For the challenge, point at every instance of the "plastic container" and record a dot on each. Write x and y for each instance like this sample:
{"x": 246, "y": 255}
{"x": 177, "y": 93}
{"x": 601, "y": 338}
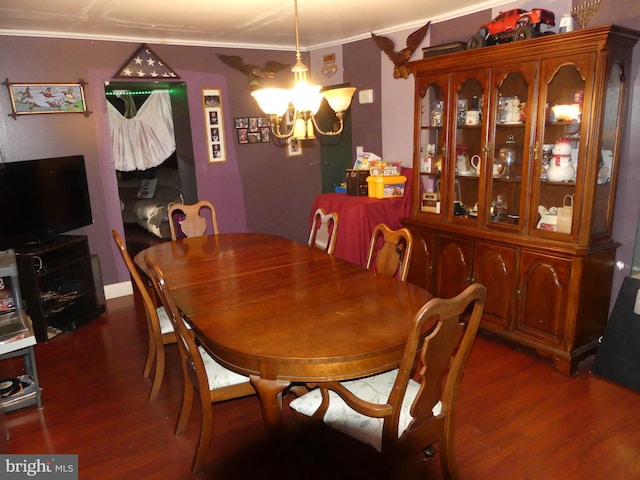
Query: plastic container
{"x": 386, "y": 186}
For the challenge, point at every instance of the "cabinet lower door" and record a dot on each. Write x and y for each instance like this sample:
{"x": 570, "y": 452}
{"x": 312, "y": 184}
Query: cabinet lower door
{"x": 422, "y": 258}
{"x": 544, "y": 297}
{"x": 453, "y": 266}
{"x": 494, "y": 267}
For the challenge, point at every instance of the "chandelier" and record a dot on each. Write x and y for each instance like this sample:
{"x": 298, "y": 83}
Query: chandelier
{"x": 305, "y": 99}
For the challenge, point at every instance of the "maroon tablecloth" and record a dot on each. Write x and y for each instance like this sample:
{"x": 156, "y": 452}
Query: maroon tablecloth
{"x": 357, "y": 217}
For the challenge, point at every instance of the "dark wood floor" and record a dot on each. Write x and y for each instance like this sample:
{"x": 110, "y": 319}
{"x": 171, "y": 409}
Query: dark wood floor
{"x": 517, "y": 419}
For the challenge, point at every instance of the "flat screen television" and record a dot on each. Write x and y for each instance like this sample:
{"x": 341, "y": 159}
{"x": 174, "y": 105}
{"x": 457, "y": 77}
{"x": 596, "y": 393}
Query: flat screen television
{"x": 42, "y": 199}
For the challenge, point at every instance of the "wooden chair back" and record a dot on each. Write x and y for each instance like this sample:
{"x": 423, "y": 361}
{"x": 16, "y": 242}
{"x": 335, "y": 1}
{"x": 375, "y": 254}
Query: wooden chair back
{"x": 189, "y": 220}
{"x": 157, "y": 340}
{"x": 434, "y": 358}
{"x": 442, "y": 353}
{"x": 213, "y": 382}
{"x": 390, "y": 251}
{"x": 192, "y": 364}
{"x": 324, "y": 231}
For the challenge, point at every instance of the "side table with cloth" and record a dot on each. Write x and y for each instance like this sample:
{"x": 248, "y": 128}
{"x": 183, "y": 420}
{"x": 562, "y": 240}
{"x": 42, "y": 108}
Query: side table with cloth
{"x": 359, "y": 216}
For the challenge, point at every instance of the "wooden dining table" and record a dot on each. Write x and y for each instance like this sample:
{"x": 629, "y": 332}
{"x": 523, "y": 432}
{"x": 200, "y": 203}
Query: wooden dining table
{"x": 282, "y": 313}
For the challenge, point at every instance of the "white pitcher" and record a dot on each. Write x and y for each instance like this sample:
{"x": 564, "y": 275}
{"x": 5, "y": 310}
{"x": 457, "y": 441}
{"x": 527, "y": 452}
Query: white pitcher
{"x": 476, "y": 163}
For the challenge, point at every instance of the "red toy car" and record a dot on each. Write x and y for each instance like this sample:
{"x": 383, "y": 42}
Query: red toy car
{"x": 512, "y": 25}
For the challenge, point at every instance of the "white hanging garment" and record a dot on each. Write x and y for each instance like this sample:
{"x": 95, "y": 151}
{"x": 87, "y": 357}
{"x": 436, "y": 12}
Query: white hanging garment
{"x": 145, "y": 140}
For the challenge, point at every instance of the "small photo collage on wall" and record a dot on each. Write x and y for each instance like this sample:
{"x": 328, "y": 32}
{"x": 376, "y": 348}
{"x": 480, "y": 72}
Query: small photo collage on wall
{"x": 252, "y": 130}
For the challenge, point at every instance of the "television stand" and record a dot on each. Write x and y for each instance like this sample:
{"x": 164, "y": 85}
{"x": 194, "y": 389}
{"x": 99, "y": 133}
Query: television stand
{"x": 57, "y": 284}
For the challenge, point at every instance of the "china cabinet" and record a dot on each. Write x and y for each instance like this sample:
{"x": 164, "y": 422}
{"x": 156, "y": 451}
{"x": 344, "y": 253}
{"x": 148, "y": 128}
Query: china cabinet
{"x": 520, "y": 197}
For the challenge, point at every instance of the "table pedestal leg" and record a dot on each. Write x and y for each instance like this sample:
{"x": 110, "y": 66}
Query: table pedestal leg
{"x": 270, "y": 394}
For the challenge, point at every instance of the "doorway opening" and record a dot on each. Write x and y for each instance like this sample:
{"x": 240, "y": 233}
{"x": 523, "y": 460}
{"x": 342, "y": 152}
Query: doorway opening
{"x": 335, "y": 151}
{"x": 152, "y": 169}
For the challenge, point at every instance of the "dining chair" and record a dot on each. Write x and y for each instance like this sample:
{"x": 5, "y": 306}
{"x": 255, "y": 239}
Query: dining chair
{"x": 409, "y": 410}
{"x": 160, "y": 329}
{"x": 390, "y": 251}
{"x": 324, "y": 231}
{"x": 213, "y": 382}
{"x": 187, "y": 220}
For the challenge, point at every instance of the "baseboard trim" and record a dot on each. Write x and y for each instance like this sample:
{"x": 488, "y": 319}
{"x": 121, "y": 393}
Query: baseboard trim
{"x": 116, "y": 290}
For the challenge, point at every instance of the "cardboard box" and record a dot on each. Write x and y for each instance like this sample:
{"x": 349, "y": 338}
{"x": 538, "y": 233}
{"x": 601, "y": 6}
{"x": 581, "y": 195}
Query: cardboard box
{"x": 430, "y": 202}
{"x": 386, "y": 187}
{"x": 357, "y": 182}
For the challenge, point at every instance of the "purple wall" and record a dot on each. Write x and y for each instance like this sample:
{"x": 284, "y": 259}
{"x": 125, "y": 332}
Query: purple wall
{"x": 256, "y": 189}
{"x": 362, "y": 69}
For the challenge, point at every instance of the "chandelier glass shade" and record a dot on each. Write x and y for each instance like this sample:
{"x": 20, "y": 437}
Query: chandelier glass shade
{"x": 304, "y": 99}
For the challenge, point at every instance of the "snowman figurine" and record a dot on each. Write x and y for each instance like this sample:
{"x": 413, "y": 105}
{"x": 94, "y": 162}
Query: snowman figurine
{"x": 561, "y": 168}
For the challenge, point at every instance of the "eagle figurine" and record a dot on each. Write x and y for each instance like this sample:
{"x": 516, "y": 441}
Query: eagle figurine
{"x": 401, "y": 58}
{"x": 254, "y": 73}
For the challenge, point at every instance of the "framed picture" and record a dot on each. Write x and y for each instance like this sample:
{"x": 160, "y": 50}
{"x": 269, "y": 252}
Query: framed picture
{"x": 254, "y": 137}
{"x": 35, "y": 98}
{"x": 243, "y": 135}
{"x": 214, "y": 124}
{"x": 294, "y": 147}
{"x": 241, "y": 122}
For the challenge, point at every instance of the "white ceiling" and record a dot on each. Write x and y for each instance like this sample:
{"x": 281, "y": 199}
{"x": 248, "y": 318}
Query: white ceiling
{"x": 266, "y": 24}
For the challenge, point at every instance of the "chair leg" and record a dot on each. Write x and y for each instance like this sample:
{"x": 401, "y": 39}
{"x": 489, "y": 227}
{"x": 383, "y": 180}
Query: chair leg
{"x": 148, "y": 364}
{"x": 448, "y": 463}
{"x": 185, "y": 408}
{"x": 159, "y": 373}
{"x": 206, "y": 430}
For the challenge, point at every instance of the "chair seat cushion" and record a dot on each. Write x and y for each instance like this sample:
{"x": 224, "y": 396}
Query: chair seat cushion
{"x": 165, "y": 323}
{"x": 374, "y": 389}
{"x": 218, "y": 375}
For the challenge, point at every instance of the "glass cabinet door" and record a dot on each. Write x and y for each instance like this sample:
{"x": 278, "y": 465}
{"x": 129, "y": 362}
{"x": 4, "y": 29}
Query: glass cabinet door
{"x": 559, "y": 146}
{"x": 434, "y": 108}
{"x": 610, "y": 139}
{"x": 508, "y": 154}
{"x": 468, "y": 145}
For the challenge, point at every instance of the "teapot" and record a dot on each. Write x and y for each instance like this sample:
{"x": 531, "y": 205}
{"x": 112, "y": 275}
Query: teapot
{"x": 561, "y": 168}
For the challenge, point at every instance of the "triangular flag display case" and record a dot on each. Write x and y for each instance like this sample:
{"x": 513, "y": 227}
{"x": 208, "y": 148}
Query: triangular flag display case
{"x": 145, "y": 64}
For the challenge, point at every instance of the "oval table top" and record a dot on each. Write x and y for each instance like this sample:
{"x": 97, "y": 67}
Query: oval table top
{"x": 256, "y": 298}
{"x": 269, "y": 307}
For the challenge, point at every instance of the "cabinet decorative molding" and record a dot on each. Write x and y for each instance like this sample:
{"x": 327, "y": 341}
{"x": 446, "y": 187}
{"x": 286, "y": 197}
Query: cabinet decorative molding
{"x": 523, "y": 199}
